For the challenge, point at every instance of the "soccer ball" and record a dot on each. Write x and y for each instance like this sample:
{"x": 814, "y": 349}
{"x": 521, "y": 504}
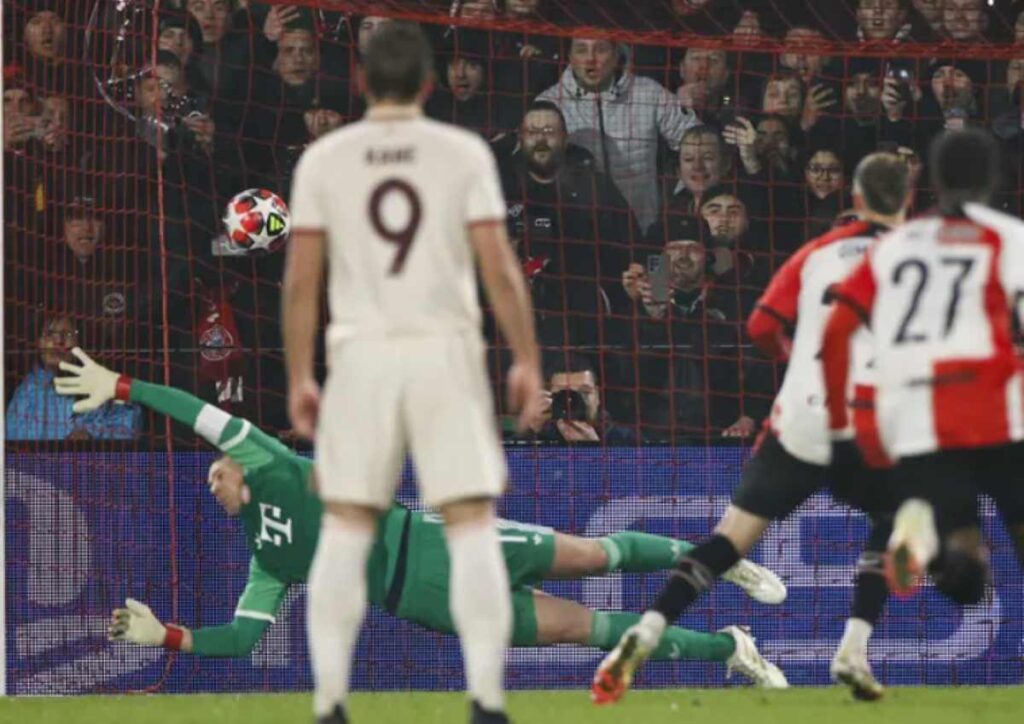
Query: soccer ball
{"x": 256, "y": 221}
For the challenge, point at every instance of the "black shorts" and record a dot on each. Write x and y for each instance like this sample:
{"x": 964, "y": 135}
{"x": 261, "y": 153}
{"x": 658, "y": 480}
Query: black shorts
{"x": 951, "y": 481}
{"x": 775, "y": 483}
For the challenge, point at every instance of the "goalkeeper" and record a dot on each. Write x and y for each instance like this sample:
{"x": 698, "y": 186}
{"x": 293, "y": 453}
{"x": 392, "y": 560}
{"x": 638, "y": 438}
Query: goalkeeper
{"x": 268, "y": 485}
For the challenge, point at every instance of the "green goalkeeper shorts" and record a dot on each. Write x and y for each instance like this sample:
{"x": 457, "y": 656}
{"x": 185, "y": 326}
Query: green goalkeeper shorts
{"x": 529, "y": 553}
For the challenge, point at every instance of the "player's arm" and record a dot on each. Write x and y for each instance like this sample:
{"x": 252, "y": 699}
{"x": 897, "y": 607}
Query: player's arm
{"x": 506, "y": 289}
{"x": 503, "y": 280}
{"x": 773, "y": 320}
{"x": 854, "y": 301}
{"x": 237, "y": 437}
{"x": 256, "y": 610}
{"x": 300, "y": 296}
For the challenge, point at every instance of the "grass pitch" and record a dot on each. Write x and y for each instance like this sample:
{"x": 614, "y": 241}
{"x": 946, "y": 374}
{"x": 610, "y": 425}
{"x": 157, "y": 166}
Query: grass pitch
{"x": 966, "y": 705}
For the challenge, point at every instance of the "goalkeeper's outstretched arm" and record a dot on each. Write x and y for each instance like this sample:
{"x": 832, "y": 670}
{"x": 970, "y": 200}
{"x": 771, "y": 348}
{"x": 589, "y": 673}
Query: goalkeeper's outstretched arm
{"x": 257, "y": 608}
{"x": 237, "y": 437}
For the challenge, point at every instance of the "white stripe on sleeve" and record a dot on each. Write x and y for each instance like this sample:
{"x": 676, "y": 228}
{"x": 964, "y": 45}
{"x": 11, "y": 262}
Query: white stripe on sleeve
{"x": 211, "y": 422}
{"x": 241, "y": 435}
{"x": 258, "y": 615}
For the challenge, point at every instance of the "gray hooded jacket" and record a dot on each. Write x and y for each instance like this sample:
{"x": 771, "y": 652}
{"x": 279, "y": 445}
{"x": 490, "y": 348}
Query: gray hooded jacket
{"x": 620, "y": 126}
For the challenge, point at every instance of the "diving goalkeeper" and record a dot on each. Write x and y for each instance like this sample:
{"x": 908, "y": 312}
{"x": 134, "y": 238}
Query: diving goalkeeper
{"x": 268, "y": 485}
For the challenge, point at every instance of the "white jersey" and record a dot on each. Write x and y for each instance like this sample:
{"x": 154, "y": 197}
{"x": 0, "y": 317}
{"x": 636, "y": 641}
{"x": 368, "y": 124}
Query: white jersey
{"x": 396, "y": 194}
{"x": 800, "y": 295}
{"x": 941, "y": 294}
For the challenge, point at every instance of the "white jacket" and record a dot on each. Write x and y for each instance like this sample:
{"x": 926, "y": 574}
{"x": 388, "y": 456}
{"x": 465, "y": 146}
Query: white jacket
{"x": 629, "y": 116}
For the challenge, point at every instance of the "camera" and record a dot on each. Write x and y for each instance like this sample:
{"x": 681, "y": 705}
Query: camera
{"x": 568, "y": 405}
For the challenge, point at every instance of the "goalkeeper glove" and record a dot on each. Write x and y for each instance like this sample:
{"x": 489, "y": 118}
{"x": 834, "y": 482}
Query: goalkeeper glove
{"x": 93, "y": 381}
{"x": 136, "y": 623}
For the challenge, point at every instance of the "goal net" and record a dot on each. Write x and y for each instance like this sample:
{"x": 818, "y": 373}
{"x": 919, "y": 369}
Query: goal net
{"x": 660, "y": 160}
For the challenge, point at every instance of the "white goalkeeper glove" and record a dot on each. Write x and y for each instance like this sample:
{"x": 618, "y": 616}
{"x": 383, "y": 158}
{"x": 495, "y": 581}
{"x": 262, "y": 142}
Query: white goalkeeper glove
{"x": 92, "y": 381}
{"x": 136, "y": 623}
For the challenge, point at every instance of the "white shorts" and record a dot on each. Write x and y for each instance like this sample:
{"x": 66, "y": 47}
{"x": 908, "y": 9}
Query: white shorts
{"x": 427, "y": 396}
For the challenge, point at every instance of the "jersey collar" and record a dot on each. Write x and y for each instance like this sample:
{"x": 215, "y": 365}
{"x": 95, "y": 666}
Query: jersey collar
{"x": 394, "y": 113}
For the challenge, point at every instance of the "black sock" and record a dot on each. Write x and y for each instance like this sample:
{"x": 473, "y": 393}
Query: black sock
{"x": 870, "y": 590}
{"x": 695, "y": 574}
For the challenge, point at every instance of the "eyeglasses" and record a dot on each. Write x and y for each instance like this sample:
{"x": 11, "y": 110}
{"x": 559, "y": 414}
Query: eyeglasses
{"x": 818, "y": 170}
{"x": 61, "y": 335}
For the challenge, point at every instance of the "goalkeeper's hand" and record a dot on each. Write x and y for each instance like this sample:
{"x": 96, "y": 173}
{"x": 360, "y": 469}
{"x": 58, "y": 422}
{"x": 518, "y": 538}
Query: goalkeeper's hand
{"x": 92, "y": 381}
{"x": 136, "y": 623}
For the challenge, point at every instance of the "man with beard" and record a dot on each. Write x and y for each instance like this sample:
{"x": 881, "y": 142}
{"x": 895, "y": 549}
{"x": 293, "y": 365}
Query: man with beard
{"x": 573, "y": 227}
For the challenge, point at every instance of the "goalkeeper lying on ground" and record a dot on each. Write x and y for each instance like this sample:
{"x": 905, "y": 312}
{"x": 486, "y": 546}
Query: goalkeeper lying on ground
{"x": 265, "y": 483}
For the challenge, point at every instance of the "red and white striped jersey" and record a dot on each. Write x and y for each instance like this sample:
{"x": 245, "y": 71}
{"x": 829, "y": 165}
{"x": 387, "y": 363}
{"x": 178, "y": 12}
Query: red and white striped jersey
{"x": 940, "y": 294}
{"x": 798, "y": 301}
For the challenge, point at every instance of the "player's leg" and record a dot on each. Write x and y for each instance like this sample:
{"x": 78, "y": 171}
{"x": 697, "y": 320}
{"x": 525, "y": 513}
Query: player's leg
{"x": 850, "y": 664}
{"x": 635, "y": 552}
{"x": 774, "y": 484}
{"x": 336, "y": 602}
{"x": 1001, "y": 481}
{"x": 936, "y": 526}
{"x": 560, "y": 621}
{"x": 461, "y": 469}
{"x": 358, "y": 458}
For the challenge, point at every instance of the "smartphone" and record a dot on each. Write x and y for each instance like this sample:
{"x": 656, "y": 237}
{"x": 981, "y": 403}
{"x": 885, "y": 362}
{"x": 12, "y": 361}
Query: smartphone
{"x": 904, "y": 78}
{"x": 657, "y": 275}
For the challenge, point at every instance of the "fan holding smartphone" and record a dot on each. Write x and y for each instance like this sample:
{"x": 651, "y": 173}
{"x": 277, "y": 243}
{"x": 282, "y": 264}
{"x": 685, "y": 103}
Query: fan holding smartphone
{"x": 674, "y": 278}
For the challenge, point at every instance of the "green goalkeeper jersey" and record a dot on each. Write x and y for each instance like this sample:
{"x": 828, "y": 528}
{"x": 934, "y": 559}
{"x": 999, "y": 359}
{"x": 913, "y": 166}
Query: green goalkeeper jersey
{"x": 281, "y": 519}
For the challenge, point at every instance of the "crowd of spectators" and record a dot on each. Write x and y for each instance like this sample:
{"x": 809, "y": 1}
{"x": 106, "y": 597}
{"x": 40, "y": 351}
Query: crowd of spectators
{"x": 652, "y": 189}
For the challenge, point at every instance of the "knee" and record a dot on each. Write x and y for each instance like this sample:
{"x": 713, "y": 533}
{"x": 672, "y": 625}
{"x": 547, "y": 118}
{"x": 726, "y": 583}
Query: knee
{"x": 962, "y": 577}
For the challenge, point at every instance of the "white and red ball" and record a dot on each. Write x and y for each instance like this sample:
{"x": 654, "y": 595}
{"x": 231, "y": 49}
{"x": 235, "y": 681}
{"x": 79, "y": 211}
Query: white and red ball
{"x": 257, "y": 221}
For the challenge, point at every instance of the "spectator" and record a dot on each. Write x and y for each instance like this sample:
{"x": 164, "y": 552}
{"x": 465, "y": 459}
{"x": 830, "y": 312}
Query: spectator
{"x": 706, "y": 90}
{"x": 952, "y": 102}
{"x": 783, "y": 96}
{"x": 21, "y": 117}
{"x": 820, "y": 91}
{"x": 882, "y": 20}
{"x": 686, "y": 294}
{"x": 46, "y": 46}
{"x": 1008, "y": 120}
{"x": 223, "y": 60}
{"x": 736, "y": 258}
{"x": 775, "y": 151}
{"x": 965, "y": 21}
{"x": 702, "y": 164}
{"x": 521, "y": 63}
{"x": 465, "y": 96}
{"x": 682, "y": 397}
{"x": 619, "y": 117}
{"x": 37, "y": 412}
{"x": 179, "y": 33}
{"x": 929, "y": 25}
{"x": 572, "y": 226}
{"x": 866, "y": 121}
{"x": 572, "y": 411}
{"x": 800, "y": 56}
{"x": 825, "y": 197}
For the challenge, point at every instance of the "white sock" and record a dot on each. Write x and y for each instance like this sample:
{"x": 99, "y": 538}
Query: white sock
{"x": 856, "y": 635}
{"x": 336, "y": 604}
{"x": 481, "y": 607}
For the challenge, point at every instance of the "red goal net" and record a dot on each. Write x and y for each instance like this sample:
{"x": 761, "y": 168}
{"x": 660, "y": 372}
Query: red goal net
{"x": 660, "y": 160}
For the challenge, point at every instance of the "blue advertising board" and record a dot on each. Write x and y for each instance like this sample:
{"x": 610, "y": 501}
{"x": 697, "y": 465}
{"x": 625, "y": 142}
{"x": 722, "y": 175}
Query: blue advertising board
{"x": 84, "y": 531}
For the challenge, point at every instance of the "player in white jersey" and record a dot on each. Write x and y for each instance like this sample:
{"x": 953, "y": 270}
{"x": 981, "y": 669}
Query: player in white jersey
{"x": 794, "y": 456}
{"x": 941, "y": 295}
{"x": 403, "y": 208}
